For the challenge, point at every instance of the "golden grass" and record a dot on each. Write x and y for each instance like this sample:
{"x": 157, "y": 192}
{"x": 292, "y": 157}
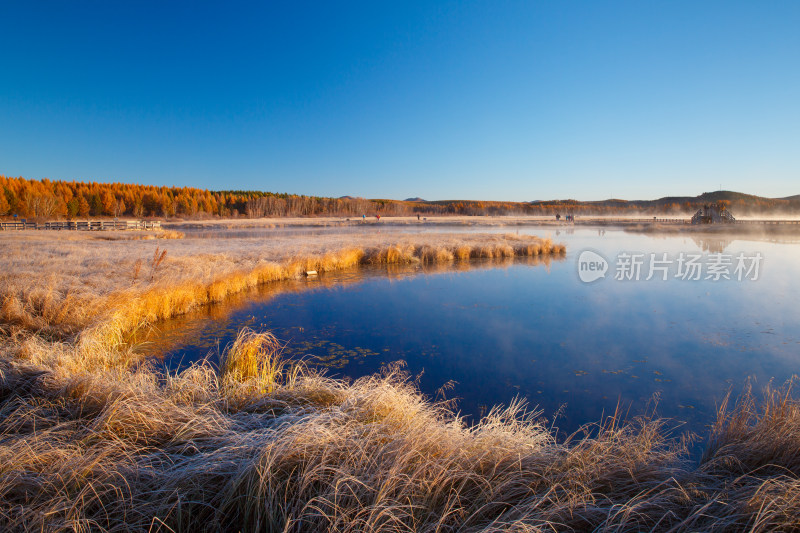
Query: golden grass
{"x": 254, "y": 359}
{"x": 92, "y": 441}
{"x": 92, "y": 291}
{"x": 262, "y": 445}
{"x": 170, "y": 234}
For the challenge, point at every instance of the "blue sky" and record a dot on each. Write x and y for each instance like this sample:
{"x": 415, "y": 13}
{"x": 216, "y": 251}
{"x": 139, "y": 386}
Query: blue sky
{"x": 475, "y": 100}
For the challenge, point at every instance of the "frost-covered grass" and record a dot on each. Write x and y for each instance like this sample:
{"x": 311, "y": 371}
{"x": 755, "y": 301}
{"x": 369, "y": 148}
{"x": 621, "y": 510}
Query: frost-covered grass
{"x": 92, "y": 439}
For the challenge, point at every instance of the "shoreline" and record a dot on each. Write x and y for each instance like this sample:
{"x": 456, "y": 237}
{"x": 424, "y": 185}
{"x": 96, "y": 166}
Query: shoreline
{"x": 91, "y": 439}
{"x": 639, "y": 224}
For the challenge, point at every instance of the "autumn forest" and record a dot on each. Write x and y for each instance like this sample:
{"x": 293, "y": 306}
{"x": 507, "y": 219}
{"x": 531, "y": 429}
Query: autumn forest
{"x": 50, "y": 199}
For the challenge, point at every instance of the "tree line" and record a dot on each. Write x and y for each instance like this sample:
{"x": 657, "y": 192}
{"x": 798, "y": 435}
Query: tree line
{"x": 52, "y": 199}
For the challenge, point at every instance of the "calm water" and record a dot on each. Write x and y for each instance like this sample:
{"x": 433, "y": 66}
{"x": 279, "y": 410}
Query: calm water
{"x": 535, "y": 330}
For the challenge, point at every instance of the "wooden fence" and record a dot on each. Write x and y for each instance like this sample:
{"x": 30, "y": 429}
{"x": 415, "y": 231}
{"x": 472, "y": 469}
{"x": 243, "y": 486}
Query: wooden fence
{"x": 601, "y": 220}
{"x": 85, "y": 225}
{"x": 769, "y": 222}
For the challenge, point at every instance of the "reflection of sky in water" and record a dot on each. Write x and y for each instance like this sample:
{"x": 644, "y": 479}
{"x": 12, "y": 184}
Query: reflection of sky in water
{"x": 540, "y": 333}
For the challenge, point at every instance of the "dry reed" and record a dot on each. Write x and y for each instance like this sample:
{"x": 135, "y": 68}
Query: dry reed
{"x": 264, "y": 446}
{"x": 91, "y": 442}
{"x": 66, "y": 293}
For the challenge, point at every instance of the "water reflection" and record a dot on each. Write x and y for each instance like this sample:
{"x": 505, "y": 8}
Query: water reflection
{"x": 714, "y": 245}
{"x": 505, "y": 329}
{"x": 207, "y": 330}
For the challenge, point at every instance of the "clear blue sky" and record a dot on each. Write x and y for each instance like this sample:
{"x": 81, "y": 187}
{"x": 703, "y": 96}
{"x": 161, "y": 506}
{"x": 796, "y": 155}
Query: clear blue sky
{"x": 475, "y": 100}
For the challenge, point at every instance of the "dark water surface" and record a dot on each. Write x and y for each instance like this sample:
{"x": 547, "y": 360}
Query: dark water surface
{"x": 535, "y": 330}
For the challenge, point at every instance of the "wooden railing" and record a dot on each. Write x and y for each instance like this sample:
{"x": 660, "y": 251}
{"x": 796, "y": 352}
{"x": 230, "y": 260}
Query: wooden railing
{"x": 85, "y": 225}
{"x": 768, "y": 222}
{"x": 590, "y": 220}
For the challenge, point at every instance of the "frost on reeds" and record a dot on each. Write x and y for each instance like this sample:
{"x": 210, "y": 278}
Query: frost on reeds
{"x": 86, "y": 286}
{"x": 163, "y": 284}
{"x": 254, "y": 360}
{"x": 92, "y": 440}
{"x": 506, "y": 246}
{"x": 261, "y": 445}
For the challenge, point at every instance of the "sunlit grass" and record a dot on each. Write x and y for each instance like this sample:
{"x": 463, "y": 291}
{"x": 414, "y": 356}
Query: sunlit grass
{"x": 92, "y": 438}
{"x": 264, "y": 444}
{"x": 94, "y": 289}
{"x": 254, "y": 359}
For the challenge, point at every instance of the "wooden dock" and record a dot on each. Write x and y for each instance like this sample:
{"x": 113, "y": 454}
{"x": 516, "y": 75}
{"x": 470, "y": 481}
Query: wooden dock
{"x": 82, "y": 225}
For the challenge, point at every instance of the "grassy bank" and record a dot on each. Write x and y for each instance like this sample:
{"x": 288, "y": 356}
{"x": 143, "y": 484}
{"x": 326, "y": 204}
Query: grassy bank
{"x": 90, "y": 290}
{"x": 265, "y": 445}
{"x": 91, "y": 440}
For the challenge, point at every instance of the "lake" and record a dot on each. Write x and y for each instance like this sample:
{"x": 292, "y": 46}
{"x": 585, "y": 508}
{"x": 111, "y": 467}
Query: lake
{"x": 536, "y": 329}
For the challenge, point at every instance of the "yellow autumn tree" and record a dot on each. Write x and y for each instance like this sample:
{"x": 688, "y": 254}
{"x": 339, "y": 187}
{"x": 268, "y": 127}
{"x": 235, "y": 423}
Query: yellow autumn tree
{"x": 4, "y": 205}
{"x": 109, "y": 203}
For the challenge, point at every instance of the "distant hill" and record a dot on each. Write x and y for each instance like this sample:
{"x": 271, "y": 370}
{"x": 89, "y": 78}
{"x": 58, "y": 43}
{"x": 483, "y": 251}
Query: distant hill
{"x": 742, "y": 201}
{"x": 712, "y": 197}
{"x": 739, "y": 203}
{"x": 417, "y": 199}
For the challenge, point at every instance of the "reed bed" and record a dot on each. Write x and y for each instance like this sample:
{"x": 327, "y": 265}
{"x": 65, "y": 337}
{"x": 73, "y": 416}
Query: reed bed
{"x": 266, "y": 444}
{"x": 91, "y": 439}
{"x": 93, "y": 289}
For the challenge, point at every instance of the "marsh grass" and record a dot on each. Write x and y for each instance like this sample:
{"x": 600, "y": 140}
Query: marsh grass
{"x": 254, "y": 359}
{"x": 92, "y": 439}
{"x": 264, "y": 445}
{"x": 92, "y": 291}
{"x": 155, "y": 263}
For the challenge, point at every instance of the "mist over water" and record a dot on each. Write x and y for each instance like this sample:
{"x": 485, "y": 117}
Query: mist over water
{"x": 535, "y": 330}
